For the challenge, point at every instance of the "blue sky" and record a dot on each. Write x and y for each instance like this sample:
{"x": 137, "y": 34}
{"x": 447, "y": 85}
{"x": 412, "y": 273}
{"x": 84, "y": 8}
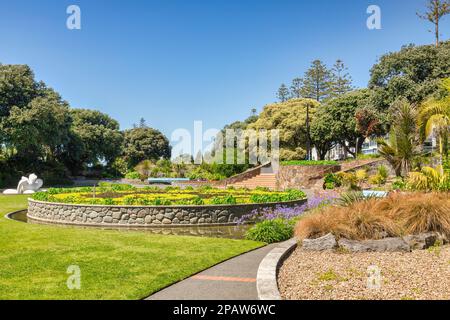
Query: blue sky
{"x": 176, "y": 61}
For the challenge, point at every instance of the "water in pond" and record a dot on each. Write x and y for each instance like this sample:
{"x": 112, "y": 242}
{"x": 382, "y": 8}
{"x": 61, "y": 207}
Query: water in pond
{"x": 232, "y": 232}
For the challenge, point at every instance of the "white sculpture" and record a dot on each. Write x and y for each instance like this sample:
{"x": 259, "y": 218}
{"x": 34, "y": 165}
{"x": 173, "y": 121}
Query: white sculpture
{"x": 26, "y": 185}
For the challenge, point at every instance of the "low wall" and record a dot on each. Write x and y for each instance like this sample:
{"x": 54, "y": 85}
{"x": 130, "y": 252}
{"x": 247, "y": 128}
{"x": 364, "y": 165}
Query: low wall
{"x": 145, "y": 216}
{"x": 302, "y": 176}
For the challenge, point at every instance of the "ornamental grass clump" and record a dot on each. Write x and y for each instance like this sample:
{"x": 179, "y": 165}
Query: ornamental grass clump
{"x": 396, "y": 215}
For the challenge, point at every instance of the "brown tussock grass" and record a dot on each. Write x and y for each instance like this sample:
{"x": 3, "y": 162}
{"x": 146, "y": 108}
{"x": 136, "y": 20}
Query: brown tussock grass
{"x": 398, "y": 214}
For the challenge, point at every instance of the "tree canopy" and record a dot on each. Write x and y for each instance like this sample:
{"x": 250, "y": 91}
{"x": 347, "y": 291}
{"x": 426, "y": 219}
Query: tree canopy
{"x": 290, "y": 118}
{"x": 145, "y": 144}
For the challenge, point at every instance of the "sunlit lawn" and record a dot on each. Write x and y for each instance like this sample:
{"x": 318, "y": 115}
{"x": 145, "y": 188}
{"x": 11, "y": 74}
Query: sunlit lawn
{"x": 114, "y": 264}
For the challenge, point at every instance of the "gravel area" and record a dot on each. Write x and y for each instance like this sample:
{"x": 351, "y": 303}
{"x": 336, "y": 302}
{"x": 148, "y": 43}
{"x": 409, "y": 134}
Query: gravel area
{"x": 419, "y": 275}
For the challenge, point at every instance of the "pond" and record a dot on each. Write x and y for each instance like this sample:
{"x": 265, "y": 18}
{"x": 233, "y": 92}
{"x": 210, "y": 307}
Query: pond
{"x": 230, "y": 232}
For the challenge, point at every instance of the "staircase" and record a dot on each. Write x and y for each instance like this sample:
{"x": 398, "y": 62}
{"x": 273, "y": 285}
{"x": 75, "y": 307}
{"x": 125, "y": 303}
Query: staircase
{"x": 266, "y": 180}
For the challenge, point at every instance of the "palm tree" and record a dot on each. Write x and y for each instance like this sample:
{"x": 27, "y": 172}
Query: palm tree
{"x": 435, "y": 116}
{"x": 402, "y": 148}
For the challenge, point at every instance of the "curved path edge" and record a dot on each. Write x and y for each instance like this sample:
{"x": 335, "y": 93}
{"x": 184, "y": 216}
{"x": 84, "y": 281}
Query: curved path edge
{"x": 266, "y": 278}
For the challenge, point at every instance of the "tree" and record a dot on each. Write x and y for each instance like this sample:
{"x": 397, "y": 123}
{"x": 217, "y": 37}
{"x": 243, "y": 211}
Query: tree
{"x": 341, "y": 120}
{"x": 290, "y": 119}
{"x": 341, "y": 80}
{"x": 403, "y": 147}
{"x": 413, "y": 73}
{"x": 296, "y": 87}
{"x": 437, "y": 9}
{"x": 142, "y": 123}
{"x": 435, "y": 116}
{"x": 39, "y": 130}
{"x": 17, "y": 87}
{"x": 94, "y": 137}
{"x": 321, "y": 135}
{"x": 283, "y": 93}
{"x": 145, "y": 144}
{"x": 316, "y": 82}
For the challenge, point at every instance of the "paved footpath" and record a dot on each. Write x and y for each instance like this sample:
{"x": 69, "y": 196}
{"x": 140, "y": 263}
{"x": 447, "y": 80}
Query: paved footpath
{"x": 234, "y": 279}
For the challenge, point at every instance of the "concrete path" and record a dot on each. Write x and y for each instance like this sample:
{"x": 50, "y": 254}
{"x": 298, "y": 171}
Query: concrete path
{"x": 234, "y": 279}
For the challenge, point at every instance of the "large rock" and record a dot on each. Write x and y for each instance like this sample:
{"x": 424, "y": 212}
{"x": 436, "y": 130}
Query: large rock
{"x": 424, "y": 240}
{"x": 383, "y": 245}
{"x": 327, "y": 242}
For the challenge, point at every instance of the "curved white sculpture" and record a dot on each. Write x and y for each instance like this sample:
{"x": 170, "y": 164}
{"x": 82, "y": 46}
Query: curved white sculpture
{"x": 26, "y": 185}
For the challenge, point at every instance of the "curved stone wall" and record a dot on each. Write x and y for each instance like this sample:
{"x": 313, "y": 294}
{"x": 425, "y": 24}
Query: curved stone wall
{"x": 144, "y": 216}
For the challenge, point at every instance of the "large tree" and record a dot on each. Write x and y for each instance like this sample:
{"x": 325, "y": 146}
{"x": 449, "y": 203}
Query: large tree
{"x": 436, "y": 10}
{"x": 321, "y": 133}
{"x": 283, "y": 93}
{"x": 17, "y": 87}
{"x": 341, "y": 81}
{"x": 413, "y": 73}
{"x": 40, "y": 130}
{"x": 317, "y": 82}
{"x": 145, "y": 144}
{"x": 94, "y": 138}
{"x": 341, "y": 121}
{"x": 290, "y": 118}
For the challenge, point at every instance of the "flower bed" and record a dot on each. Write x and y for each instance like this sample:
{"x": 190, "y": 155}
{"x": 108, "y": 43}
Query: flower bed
{"x": 150, "y": 206}
{"x": 117, "y": 194}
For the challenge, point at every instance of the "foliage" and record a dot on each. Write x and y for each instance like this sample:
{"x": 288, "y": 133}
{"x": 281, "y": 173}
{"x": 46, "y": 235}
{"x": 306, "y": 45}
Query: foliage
{"x": 338, "y": 117}
{"x": 402, "y": 148}
{"x": 283, "y": 93}
{"x": 290, "y": 119}
{"x": 94, "y": 137}
{"x": 132, "y": 175}
{"x": 271, "y": 231}
{"x": 412, "y": 73}
{"x": 123, "y": 194}
{"x": 317, "y": 82}
{"x": 332, "y": 181}
{"x": 429, "y": 179}
{"x": 309, "y": 163}
{"x": 396, "y": 215}
{"x": 144, "y": 144}
{"x": 437, "y": 9}
{"x": 40, "y": 129}
{"x": 434, "y": 116}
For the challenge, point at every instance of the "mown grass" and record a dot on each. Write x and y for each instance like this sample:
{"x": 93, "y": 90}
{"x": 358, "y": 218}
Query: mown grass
{"x": 114, "y": 264}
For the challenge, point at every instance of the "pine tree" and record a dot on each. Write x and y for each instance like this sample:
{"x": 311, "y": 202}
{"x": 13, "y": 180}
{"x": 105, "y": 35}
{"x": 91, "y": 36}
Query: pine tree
{"x": 341, "y": 80}
{"x": 142, "y": 123}
{"x": 317, "y": 82}
{"x": 436, "y": 10}
{"x": 283, "y": 93}
{"x": 296, "y": 86}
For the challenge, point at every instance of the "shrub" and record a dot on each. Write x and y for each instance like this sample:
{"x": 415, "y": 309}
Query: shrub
{"x": 132, "y": 175}
{"x": 377, "y": 179}
{"x": 398, "y": 184}
{"x": 271, "y": 231}
{"x": 309, "y": 163}
{"x": 361, "y": 175}
{"x": 429, "y": 179}
{"x": 332, "y": 181}
{"x": 383, "y": 172}
{"x": 396, "y": 215}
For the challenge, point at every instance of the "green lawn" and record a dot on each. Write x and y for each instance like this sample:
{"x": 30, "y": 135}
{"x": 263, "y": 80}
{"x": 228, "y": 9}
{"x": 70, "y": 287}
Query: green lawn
{"x": 114, "y": 264}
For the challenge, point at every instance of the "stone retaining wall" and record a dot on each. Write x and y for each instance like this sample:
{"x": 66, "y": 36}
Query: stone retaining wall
{"x": 145, "y": 216}
{"x": 301, "y": 177}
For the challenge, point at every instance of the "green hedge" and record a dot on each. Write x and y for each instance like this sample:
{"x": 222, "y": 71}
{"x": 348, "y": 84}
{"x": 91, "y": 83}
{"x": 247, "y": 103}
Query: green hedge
{"x": 309, "y": 163}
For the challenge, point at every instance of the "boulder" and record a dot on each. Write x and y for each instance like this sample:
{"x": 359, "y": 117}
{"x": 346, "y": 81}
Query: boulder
{"x": 383, "y": 245}
{"x": 424, "y": 240}
{"x": 327, "y": 242}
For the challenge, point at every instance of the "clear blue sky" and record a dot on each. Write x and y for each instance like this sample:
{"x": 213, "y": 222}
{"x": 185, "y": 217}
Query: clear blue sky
{"x": 176, "y": 61}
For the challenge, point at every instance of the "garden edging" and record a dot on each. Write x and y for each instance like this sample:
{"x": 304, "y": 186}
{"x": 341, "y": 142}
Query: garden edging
{"x": 266, "y": 279}
{"x": 144, "y": 216}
